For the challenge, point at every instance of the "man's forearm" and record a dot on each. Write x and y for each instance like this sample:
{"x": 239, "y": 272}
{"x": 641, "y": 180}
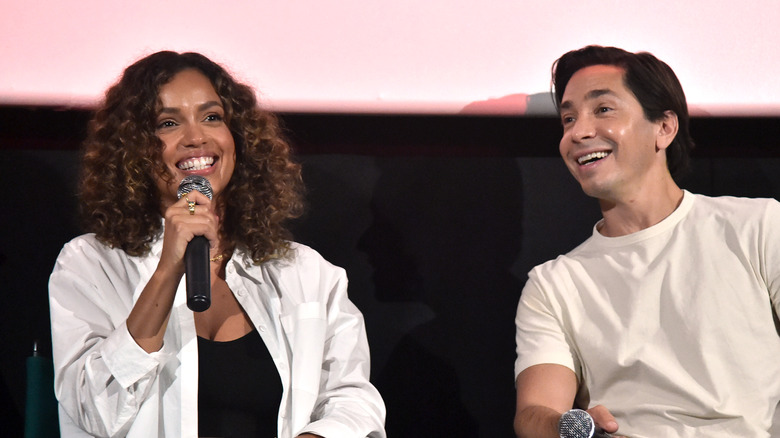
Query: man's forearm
{"x": 537, "y": 422}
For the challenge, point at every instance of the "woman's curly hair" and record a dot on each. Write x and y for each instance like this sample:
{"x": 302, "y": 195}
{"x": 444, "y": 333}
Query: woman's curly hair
{"x": 122, "y": 157}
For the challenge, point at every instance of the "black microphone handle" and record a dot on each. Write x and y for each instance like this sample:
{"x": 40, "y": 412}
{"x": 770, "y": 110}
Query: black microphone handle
{"x": 198, "y": 274}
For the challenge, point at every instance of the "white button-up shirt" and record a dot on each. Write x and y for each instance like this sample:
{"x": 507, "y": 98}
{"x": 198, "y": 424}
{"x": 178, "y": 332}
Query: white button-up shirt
{"x": 108, "y": 386}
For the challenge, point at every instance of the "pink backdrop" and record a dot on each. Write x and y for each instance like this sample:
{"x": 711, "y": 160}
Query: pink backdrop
{"x": 404, "y": 56}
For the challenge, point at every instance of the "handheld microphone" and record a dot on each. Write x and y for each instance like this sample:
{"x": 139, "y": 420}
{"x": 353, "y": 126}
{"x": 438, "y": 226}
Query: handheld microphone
{"x": 577, "y": 423}
{"x": 196, "y": 258}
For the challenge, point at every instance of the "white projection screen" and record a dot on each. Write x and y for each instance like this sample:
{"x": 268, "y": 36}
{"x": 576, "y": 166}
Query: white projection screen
{"x": 402, "y": 56}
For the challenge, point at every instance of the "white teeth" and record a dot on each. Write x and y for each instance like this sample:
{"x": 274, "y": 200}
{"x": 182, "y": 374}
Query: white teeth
{"x": 593, "y": 156}
{"x": 196, "y": 163}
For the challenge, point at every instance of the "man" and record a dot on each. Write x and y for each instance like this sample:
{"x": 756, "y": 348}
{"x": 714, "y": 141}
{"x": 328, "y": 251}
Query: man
{"x": 662, "y": 323}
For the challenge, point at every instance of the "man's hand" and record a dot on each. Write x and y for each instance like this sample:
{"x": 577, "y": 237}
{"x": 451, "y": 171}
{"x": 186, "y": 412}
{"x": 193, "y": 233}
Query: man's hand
{"x": 604, "y": 419}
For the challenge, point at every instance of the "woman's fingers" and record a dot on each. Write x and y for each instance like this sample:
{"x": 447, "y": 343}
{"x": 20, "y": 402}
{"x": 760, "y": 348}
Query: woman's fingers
{"x": 190, "y": 216}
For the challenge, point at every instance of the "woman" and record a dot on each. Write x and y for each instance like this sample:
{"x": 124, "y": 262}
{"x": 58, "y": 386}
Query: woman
{"x": 281, "y": 351}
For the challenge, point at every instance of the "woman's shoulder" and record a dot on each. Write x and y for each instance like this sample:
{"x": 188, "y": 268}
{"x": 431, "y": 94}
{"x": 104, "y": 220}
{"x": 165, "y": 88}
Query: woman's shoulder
{"x": 306, "y": 265}
{"x": 88, "y": 250}
{"x": 85, "y": 243}
{"x": 305, "y": 254}
{"x": 298, "y": 255}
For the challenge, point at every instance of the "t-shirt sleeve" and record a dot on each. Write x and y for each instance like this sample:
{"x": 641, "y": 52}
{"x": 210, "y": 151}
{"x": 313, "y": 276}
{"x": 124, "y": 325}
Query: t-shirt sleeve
{"x": 770, "y": 252}
{"x": 539, "y": 335}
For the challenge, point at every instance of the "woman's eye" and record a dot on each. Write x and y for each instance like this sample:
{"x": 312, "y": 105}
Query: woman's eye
{"x": 166, "y": 124}
{"x": 213, "y": 118}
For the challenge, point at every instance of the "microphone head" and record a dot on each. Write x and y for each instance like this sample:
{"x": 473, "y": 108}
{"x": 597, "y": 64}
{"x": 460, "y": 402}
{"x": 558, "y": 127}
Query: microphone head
{"x": 194, "y": 182}
{"x": 576, "y": 423}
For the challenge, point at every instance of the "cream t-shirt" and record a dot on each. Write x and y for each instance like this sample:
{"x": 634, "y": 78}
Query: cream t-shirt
{"x": 671, "y": 328}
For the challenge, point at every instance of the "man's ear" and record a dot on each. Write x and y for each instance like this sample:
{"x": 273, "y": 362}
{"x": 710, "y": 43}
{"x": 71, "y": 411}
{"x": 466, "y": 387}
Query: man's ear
{"x": 667, "y": 130}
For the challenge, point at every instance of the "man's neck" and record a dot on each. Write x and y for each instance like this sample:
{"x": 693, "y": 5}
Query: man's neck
{"x": 639, "y": 210}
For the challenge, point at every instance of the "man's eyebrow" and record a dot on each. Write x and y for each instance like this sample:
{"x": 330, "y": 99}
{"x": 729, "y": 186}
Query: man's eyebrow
{"x": 592, "y": 94}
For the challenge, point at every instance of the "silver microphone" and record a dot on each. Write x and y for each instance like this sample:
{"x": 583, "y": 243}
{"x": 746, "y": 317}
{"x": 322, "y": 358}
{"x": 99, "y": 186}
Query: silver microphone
{"x": 196, "y": 258}
{"x": 577, "y": 423}
{"x": 195, "y": 182}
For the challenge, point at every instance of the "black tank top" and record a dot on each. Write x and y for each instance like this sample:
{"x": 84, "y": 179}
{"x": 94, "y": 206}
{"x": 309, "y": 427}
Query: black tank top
{"x": 239, "y": 389}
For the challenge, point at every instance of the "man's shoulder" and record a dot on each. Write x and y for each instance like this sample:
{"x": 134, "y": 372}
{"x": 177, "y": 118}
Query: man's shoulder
{"x": 730, "y": 199}
{"x": 741, "y": 207}
{"x": 561, "y": 265}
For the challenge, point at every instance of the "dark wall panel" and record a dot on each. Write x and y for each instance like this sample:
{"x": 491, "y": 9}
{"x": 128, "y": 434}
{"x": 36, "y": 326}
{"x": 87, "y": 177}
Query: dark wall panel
{"x": 437, "y": 220}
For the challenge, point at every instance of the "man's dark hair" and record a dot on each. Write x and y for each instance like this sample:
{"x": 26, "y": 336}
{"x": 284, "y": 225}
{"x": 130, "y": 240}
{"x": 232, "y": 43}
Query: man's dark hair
{"x": 652, "y": 82}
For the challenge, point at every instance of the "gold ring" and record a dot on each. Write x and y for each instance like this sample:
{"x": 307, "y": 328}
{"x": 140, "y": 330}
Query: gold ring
{"x": 191, "y": 206}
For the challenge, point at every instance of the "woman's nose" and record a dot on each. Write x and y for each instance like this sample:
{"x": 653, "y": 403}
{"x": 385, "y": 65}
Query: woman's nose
{"x": 194, "y": 135}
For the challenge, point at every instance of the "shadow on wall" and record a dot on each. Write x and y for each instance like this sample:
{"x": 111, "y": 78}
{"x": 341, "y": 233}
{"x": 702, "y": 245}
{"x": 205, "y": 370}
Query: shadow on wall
{"x": 434, "y": 240}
